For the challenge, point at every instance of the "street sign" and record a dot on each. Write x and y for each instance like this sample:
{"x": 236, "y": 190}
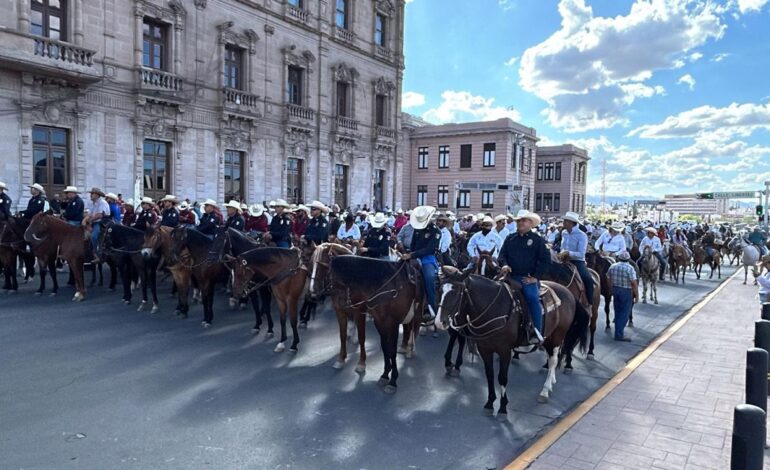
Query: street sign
{"x": 735, "y": 195}
{"x": 704, "y": 195}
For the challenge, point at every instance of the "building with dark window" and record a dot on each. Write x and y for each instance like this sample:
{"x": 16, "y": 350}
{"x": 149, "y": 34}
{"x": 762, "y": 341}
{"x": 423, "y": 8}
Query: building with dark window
{"x": 560, "y": 180}
{"x": 241, "y": 99}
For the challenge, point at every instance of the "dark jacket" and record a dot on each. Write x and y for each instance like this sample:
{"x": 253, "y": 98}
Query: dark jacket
{"x": 5, "y": 205}
{"x": 425, "y": 241}
{"x": 317, "y": 230}
{"x": 208, "y": 224}
{"x": 73, "y": 212}
{"x": 145, "y": 219}
{"x": 236, "y": 222}
{"x": 280, "y": 228}
{"x": 34, "y": 205}
{"x": 377, "y": 242}
{"x": 526, "y": 255}
{"x": 170, "y": 217}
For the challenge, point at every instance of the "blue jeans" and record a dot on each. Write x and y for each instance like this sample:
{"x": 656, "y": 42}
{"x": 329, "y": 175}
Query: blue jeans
{"x": 429, "y": 273}
{"x": 531, "y": 293}
{"x": 622, "y": 301}
{"x": 764, "y": 298}
{"x": 282, "y": 244}
{"x": 96, "y": 229}
{"x": 585, "y": 276}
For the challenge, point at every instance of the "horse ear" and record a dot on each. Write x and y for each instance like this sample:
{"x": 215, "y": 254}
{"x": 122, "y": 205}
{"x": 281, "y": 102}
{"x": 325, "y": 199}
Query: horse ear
{"x": 466, "y": 272}
{"x": 229, "y": 258}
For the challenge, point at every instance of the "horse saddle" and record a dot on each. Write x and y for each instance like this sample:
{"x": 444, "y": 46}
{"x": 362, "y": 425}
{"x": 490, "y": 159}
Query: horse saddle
{"x": 549, "y": 302}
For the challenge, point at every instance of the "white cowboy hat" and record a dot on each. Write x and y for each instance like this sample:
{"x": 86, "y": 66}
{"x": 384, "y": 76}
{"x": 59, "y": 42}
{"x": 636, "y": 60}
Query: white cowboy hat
{"x": 319, "y": 205}
{"x": 257, "y": 210}
{"x": 3, "y": 186}
{"x": 280, "y": 203}
{"x": 210, "y": 202}
{"x": 378, "y": 220}
{"x": 420, "y": 217}
{"x": 146, "y": 200}
{"x": 572, "y": 217}
{"x": 400, "y": 211}
{"x": 111, "y": 196}
{"x": 500, "y": 218}
{"x": 302, "y": 207}
{"x": 244, "y": 206}
{"x": 183, "y": 206}
{"x": 525, "y": 214}
{"x": 169, "y": 197}
{"x": 38, "y": 187}
{"x": 617, "y": 226}
{"x": 487, "y": 220}
{"x": 68, "y": 189}
{"x": 271, "y": 204}
{"x": 651, "y": 230}
{"x": 129, "y": 201}
{"x": 479, "y": 216}
{"x": 234, "y": 204}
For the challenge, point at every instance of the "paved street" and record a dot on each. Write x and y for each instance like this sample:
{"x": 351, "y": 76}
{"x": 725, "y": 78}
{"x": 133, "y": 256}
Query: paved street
{"x": 98, "y": 385}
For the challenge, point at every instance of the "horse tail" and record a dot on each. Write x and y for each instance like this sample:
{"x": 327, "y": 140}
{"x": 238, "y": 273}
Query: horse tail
{"x": 577, "y": 335}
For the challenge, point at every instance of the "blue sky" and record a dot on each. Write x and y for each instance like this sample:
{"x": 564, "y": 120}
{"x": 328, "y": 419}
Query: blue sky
{"x": 674, "y": 94}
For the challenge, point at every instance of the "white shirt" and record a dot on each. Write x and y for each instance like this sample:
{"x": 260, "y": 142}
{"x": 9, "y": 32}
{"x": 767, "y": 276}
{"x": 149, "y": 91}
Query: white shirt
{"x": 489, "y": 242}
{"x": 446, "y": 240}
{"x": 764, "y": 283}
{"x": 611, "y": 244}
{"x": 456, "y": 228}
{"x": 511, "y": 227}
{"x": 98, "y": 207}
{"x": 653, "y": 242}
{"x": 552, "y": 236}
{"x": 354, "y": 232}
{"x": 502, "y": 233}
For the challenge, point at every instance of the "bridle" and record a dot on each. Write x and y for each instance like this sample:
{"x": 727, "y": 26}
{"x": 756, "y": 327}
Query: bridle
{"x": 471, "y": 329}
{"x": 252, "y": 286}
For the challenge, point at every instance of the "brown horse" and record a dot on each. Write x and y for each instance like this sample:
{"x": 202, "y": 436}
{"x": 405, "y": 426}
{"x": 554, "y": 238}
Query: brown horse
{"x": 700, "y": 257}
{"x": 157, "y": 244}
{"x": 486, "y": 264}
{"x": 679, "y": 262}
{"x": 490, "y": 313}
{"x": 48, "y": 235}
{"x": 13, "y": 247}
{"x": 601, "y": 265}
{"x": 283, "y": 271}
{"x": 390, "y": 291}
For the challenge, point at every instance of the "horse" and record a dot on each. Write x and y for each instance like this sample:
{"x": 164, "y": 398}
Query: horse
{"x": 701, "y": 257}
{"x": 158, "y": 244}
{"x": 749, "y": 258}
{"x": 48, "y": 235}
{"x": 649, "y": 267}
{"x": 601, "y": 265}
{"x": 282, "y": 270}
{"x": 230, "y": 241}
{"x": 490, "y": 313}
{"x": 732, "y": 249}
{"x": 486, "y": 264}
{"x": 392, "y": 292}
{"x": 680, "y": 261}
{"x": 205, "y": 271}
{"x": 13, "y": 247}
{"x": 124, "y": 246}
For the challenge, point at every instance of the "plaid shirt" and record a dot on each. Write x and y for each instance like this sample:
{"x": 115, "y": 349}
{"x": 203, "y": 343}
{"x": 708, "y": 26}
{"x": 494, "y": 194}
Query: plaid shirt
{"x": 621, "y": 274}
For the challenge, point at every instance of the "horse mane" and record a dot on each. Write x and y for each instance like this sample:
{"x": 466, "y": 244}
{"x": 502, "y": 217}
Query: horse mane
{"x": 561, "y": 272}
{"x": 198, "y": 236}
{"x": 319, "y": 249}
{"x": 268, "y": 253}
{"x": 363, "y": 272}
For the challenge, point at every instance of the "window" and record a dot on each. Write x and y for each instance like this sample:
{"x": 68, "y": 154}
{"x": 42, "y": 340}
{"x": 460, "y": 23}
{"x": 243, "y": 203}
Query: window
{"x": 341, "y": 14}
{"x": 489, "y": 155}
{"x": 379, "y": 110}
{"x": 342, "y": 99}
{"x": 233, "y": 177}
{"x": 548, "y": 171}
{"x": 556, "y": 202}
{"x": 422, "y": 158}
{"x": 378, "y": 189}
{"x": 464, "y": 199}
{"x": 515, "y": 157}
{"x": 341, "y": 185}
{"x": 50, "y": 149}
{"x": 233, "y": 67}
{"x": 294, "y": 86}
{"x": 540, "y": 172}
{"x": 443, "y": 196}
{"x": 296, "y": 3}
{"x": 529, "y": 161}
{"x": 379, "y": 29}
{"x": 156, "y": 168}
{"x": 527, "y": 200}
{"x": 422, "y": 195}
{"x": 48, "y": 19}
{"x": 466, "y": 156}
{"x": 293, "y": 180}
{"x": 443, "y": 156}
{"x": 547, "y": 202}
{"x": 487, "y": 199}
{"x": 154, "y": 46}
{"x": 538, "y": 202}
{"x": 557, "y": 172}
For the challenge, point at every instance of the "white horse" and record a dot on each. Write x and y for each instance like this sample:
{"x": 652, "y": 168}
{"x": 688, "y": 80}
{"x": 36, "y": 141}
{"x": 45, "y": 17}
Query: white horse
{"x": 749, "y": 258}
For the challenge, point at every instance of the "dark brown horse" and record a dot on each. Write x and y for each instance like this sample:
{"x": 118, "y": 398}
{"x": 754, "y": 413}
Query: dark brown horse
{"x": 490, "y": 313}
{"x": 124, "y": 245}
{"x": 486, "y": 264}
{"x": 679, "y": 262}
{"x": 12, "y": 248}
{"x": 48, "y": 235}
{"x": 700, "y": 257}
{"x": 158, "y": 244}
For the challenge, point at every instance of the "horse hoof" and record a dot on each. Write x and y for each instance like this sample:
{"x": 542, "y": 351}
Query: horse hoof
{"x": 488, "y": 411}
{"x": 206, "y": 325}
{"x": 52, "y": 294}
{"x": 126, "y": 302}
{"x": 409, "y": 354}
{"x": 303, "y": 326}
{"x": 338, "y": 364}
{"x": 389, "y": 389}
{"x": 607, "y": 328}
{"x": 502, "y": 417}
{"x": 155, "y": 309}
{"x": 382, "y": 382}
{"x": 656, "y": 302}
{"x": 270, "y": 334}
{"x": 454, "y": 373}
{"x": 422, "y": 331}
{"x": 402, "y": 350}
{"x": 542, "y": 399}
{"x": 38, "y": 293}
{"x": 255, "y": 331}
{"x": 141, "y": 307}
{"x": 360, "y": 369}
{"x": 590, "y": 357}
{"x": 279, "y": 348}
{"x": 644, "y": 301}
{"x": 568, "y": 371}
{"x": 630, "y": 324}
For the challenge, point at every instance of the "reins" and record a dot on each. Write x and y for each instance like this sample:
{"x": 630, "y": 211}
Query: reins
{"x": 378, "y": 292}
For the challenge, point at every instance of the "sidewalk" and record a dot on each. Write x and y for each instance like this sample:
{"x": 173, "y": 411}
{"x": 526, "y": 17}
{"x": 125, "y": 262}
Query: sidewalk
{"x": 675, "y": 410}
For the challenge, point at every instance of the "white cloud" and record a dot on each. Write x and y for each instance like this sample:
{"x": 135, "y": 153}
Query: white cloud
{"x": 688, "y": 80}
{"x": 735, "y": 119}
{"x": 506, "y": 4}
{"x": 462, "y": 106}
{"x": 720, "y": 57}
{"x": 751, "y": 5}
{"x": 411, "y": 99}
{"x": 510, "y": 62}
{"x": 695, "y": 56}
{"x": 583, "y": 70}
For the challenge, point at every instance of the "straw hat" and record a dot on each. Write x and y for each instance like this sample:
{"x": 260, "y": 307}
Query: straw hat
{"x": 169, "y": 197}
{"x": 525, "y": 214}
{"x": 234, "y": 204}
{"x": 184, "y": 206}
{"x": 320, "y": 206}
{"x": 400, "y": 211}
{"x": 420, "y": 217}
{"x": 244, "y": 206}
{"x": 146, "y": 200}
{"x": 480, "y": 216}
{"x": 129, "y": 202}
{"x": 617, "y": 226}
{"x": 38, "y": 187}
{"x": 500, "y": 218}
{"x": 68, "y": 189}
{"x": 257, "y": 210}
{"x": 651, "y": 230}
{"x": 302, "y": 207}
{"x": 378, "y": 220}
{"x": 210, "y": 202}
{"x": 111, "y": 196}
{"x": 487, "y": 220}
{"x": 280, "y": 203}
{"x": 96, "y": 191}
{"x": 572, "y": 217}
{"x": 623, "y": 256}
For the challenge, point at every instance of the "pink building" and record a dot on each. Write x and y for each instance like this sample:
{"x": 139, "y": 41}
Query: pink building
{"x": 469, "y": 168}
{"x": 560, "y": 180}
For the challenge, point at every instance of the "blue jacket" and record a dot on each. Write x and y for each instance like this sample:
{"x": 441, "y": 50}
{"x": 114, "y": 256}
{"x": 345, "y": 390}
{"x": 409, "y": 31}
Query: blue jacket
{"x": 317, "y": 230}
{"x": 526, "y": 255}
{"x": 34, "y": 205}
{"x": 425, "y": 241}
{"x": 280, "y": 228}
{"x": 73, "y": 211}
{"x": 115, "y": 214}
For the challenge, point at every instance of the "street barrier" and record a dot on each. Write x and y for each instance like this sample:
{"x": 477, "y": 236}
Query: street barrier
{"x": 756, "y": 378}
{"x": 765, "y": 310}
{"x": 762, "y": 338}
{"x": 749, "y": 434}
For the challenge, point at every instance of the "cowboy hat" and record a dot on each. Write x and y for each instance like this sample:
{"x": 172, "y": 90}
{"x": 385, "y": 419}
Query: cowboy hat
{"x": 169, "y": 197}
{"x": 96, "y": 191}
{"x": 68, "y": 189}
{"x": 617, "y": 226}
{"x": 400, "y": 211}
{"x": 302, "y": 207}
{"x": 280, "y": 203}
{"x": 184, "y": 206}
{"x": 319, "y": 205}
{"x": 525, "y": 214}
{"x": 420, "y": 217}
{"x": 210, "y": 202}
{"x": 479, "y": 216}
{"x": 146, "y": 200}
{"x": 129, "y": 202}
{"x": 572, "y": 217}
{"x": 3, "y": 186}
{"x": 445, "y": 217}
{"x": 244, "y": 206}
{"x": 111, "y": 196}
{"x": 623, "y": 256}
{"x": 257, "y": 210}
{"x": 234, "y": 204}
{"x": 500, "y": 218}
{"x": 651, "y": 230}
{"x": 377, "y": 220}
{"x": 38, "y": 187}
{"x": 487, "y": 220}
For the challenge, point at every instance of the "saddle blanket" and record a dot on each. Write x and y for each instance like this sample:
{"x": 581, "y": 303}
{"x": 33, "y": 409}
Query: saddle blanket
{"x": 549, "y": 299}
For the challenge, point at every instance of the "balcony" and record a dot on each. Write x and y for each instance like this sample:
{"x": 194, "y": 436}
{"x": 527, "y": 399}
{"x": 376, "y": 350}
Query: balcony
{"x": 159, "y": 80}
{"x": 300, "y": 116}
{"x": 45, "y": 56}
{"x": 240, "y": 103}
{"x": 343, "y": 35}
{"x": 298, "y": 15}
{"x": 385, "y": 133}
{"x": 342, "y": 123}
{"x": 383, "y": 53}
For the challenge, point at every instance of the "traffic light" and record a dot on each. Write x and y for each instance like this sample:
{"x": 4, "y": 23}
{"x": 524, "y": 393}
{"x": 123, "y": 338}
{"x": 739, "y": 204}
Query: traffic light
{"x": 759, "y": 209}
{"x": 704, "y": 196}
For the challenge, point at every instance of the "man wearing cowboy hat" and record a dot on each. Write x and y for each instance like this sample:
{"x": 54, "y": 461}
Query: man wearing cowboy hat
{"x": 401, "y": 220}
{"x": 234, "y": 217}
{"x": 146, "y": 216}
{"x": 318, "y": 229}
{"x": 301, "y": 221}
{"x": 574, "y": 243}
{"x": 129, "y": 214}
{"x": 612, "y": 241}
{"x": 405, "y": 236}
{"x": 443, "y": 222}
{"x": 624, "y": 284}
{"x": 425, "y": 243}
{"x": 653, "y": 241}
{"x": 485, "y": 240}
{"x": 187, "y": 216}
{"x": 98, "y": 213}
{"x": 5, "y": 202}
{"x": 280, "y": 226}
{"x": 377, "y": 242}
{"x": 525, "y": 258}
{"x": 500, "y": 227}
{"x": 73, "y": 210}
{"x": 169, "y": 216}
{"x": 112, "y": 202}
{"x": 210, "y": 220}
{"x": 36, "y": 203}
{"x": 257, "y": 223}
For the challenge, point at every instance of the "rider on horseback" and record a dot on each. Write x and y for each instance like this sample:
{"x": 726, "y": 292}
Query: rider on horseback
{"x": 653, "y": 241}
{"x": 759, "y": 240}
{"x": 425, "y": 243}
{"x": 5, "y": 202}
{"x": 574, "y": 242}
{"x": 484, "y": 240}
{"x": 612, "y": 241}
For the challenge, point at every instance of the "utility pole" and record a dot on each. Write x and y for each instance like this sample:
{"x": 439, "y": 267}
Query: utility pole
{"x": 604, "y": 184}
{"x": 764, "y": 209}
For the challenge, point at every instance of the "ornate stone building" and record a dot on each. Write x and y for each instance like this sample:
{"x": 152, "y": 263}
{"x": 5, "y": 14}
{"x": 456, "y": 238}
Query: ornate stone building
{"x": 245, "y": 99}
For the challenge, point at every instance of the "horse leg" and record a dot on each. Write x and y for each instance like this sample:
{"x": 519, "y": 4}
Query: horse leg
{"x": 342, "y": 321}
{"x": 607, "y": 300}
{"x": 550, "y": 380}
{"x": 655, "y": 291}
{"x": 361, "y": 327}
{"x": 644, "y": 289}
{"x": 385, "y": 348}
{"x": 52, "y": 273}
{"x": 282, "y": 307}
{"x": 392, "y": 339}
{"x": 113, "y": 274}
{"x": 80, "y": 282}
{"x": 292, "y": 304}
{"x": 489, "y": 371}
{"x": 265, "y": 301}
{"x": 459, "y": 359}
{"x": 502, "y": 379}
{"x": 125, "y": 274}
{"x": 254, "y": 297}
{"x": 594, "y": 318}
{"x": 207, "y": 294}
{"x": 448, "y": 353}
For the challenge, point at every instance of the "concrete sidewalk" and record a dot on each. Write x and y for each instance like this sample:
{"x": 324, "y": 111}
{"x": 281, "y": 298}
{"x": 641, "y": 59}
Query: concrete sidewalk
{"x": 675, "y": 410}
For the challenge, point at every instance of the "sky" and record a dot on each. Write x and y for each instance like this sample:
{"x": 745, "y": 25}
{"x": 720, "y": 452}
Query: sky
{"x": 673, "y": 94}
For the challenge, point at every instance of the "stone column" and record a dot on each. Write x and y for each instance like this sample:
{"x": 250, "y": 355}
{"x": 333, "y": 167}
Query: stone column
{"x": 138, "y": 37}
{"x": 77, "y": 8}
{"x": 23, "y": 11}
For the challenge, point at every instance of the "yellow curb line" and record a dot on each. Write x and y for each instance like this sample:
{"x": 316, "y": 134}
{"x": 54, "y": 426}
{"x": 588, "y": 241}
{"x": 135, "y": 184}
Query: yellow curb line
{"x": 526, "y": 458}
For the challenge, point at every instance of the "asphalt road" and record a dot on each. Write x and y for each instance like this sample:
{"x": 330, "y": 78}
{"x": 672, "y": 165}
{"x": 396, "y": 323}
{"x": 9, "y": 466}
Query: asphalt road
{"x": 97, "y": 385}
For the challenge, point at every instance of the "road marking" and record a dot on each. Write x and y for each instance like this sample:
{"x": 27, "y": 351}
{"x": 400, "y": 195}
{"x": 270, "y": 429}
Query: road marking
{"x": 526, "y": 458}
